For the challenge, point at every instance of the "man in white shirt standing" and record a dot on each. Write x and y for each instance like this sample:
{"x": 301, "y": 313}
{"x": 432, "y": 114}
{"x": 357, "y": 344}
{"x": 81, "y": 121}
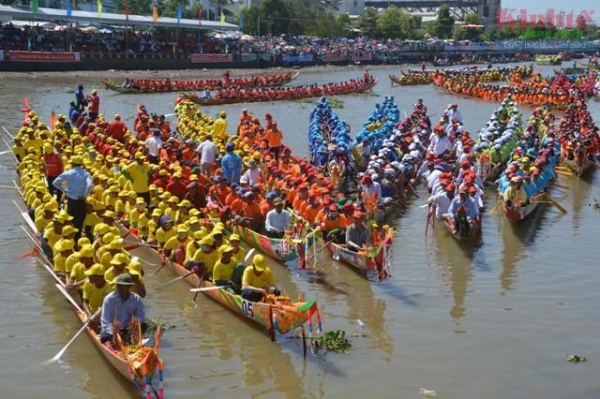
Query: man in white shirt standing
{"x": 208, "y": 153}
{"x": 154, "y": 144}
{"x": 278, "y": 219}
{"x": 454, "y": 113}
{"x": 440, "y": 144}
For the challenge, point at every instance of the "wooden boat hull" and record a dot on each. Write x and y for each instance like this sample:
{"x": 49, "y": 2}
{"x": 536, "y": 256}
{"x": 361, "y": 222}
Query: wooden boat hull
{"x": 139, "y": 367}
{"x": 236, "y": 100}
{"x": 470, "y": 237}
{"x": 578, "y": 168}
{"x": 280, "y": 318}
{"x": 276, "y": 248}
{"x": 406, "y": 82}
{"x": 116, "y": 87}
{"x": 133, "y": 368}
{"x": 361, "y": 260}
{"x": 519, "y": 214}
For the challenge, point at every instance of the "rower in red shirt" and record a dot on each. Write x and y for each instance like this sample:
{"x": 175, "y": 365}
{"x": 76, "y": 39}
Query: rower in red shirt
{"x": 117, "y": 129}
{"x": 177, "y": 187}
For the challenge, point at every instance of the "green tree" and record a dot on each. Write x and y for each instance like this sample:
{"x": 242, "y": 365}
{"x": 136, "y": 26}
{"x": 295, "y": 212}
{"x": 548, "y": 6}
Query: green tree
{"x": 250, "y": 20}
{"x": 367, "y": 23}
{"x": 443, "y": 26}
{"x": 394, "y": 24}
{"x": 467, "y": 32}
{"x": 276, "y": 15}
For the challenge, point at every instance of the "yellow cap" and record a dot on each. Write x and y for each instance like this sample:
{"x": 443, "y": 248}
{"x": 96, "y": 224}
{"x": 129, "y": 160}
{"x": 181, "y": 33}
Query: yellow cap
{"x": 259, "y": 262}
{"x": 120, "y": 259}
{"x": 96, "y": 270}
{"x": 68, "y": 230}
{"x": 86, "y": 252}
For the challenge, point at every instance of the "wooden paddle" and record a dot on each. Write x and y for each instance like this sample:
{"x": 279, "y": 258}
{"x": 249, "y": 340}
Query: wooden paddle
{"x": 554, "y": 203}
{"x": 77, "y": 334}
{"x": 495, "y": 208}
{"x": 203, "y": 289}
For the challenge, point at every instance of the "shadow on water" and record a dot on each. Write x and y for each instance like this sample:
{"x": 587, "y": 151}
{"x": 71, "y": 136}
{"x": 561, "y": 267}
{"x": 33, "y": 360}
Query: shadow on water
{"x": 456, "y": 262}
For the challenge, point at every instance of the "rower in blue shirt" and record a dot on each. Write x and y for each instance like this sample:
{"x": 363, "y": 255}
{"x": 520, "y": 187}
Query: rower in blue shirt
{"x": 121, "y": 305}
{"x": 77, "y": 186}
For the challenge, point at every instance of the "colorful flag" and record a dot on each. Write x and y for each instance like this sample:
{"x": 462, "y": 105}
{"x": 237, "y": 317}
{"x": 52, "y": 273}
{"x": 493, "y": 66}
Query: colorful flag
{"x": 126, "y": 10}
{"x": 241, "y": 19}
{"x": 52, "y": 119}
{"x": 200, "y": 11}
{"x": 99, "y": 9}
{"x": 179, "y": 12}
{"x": 222, "y": 18}
{"x": 69, "y": 8}
{"x": 154, "y": 13}
{"x": 34, "y": 6}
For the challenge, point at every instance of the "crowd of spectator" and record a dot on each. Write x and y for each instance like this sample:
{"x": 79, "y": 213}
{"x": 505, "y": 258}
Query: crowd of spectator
{"x": 92, "y": 39}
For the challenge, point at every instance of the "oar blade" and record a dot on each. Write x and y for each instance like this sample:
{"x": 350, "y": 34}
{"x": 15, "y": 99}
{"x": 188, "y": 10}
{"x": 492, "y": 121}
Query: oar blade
{"x": 249, "y": 254}
{"x": 203, "y": 289}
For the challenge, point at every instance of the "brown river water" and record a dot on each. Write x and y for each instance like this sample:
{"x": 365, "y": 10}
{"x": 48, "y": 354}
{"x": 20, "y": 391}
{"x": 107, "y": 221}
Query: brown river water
{"x": 495, "y": 323}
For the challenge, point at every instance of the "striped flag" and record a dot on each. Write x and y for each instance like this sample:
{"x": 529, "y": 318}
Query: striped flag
{"x": 222, "y": 18}
{"x": 34, "y": 6}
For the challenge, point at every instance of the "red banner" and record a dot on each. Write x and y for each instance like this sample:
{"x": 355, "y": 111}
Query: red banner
{"x": 361, "y": 57}
{"x": 43, "y": 56}
{"x": 332, "y": 57}
{"x": 211, "y": 58}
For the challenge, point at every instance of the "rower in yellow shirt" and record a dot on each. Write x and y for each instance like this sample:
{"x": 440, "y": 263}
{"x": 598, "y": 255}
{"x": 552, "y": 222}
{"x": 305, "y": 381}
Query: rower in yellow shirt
{"x": 172, "y": 207}
{"x": 207, "y": 255}
{"x": 239, "y": 253}
{"x": 138, "y": 211}
{"x": 95, "y": 289}
{"x": 45, "y": 217}
{"x": 138, "y": 173}
{"x": 77, "y": 277}
{"x": 153, "y": 224}
{"x": 166, "y": 231}
{"x": 114, "y": 248}
{"x": 118, "y": 266}
{"x": 176, "y": 246}
{"x": 258, "y": 281}
{"x": 111, "y": 197}
{"x": 62, "y": 250}
{"x": 228, "y": 272}
{"x": 136, "y": 272}
{"x": 193, "y": 245}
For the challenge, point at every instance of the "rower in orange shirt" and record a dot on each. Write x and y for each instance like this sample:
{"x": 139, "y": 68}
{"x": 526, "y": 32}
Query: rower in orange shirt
{"x": 301, "y": 198}
{"x": 220, "y": 191}
{"x": 266, "y": 204}
{"x": 245, "y": 119}
{"x": 332, "y": 224}
{"x": 250, "y": 212}
{"x": 310, "y": 209}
